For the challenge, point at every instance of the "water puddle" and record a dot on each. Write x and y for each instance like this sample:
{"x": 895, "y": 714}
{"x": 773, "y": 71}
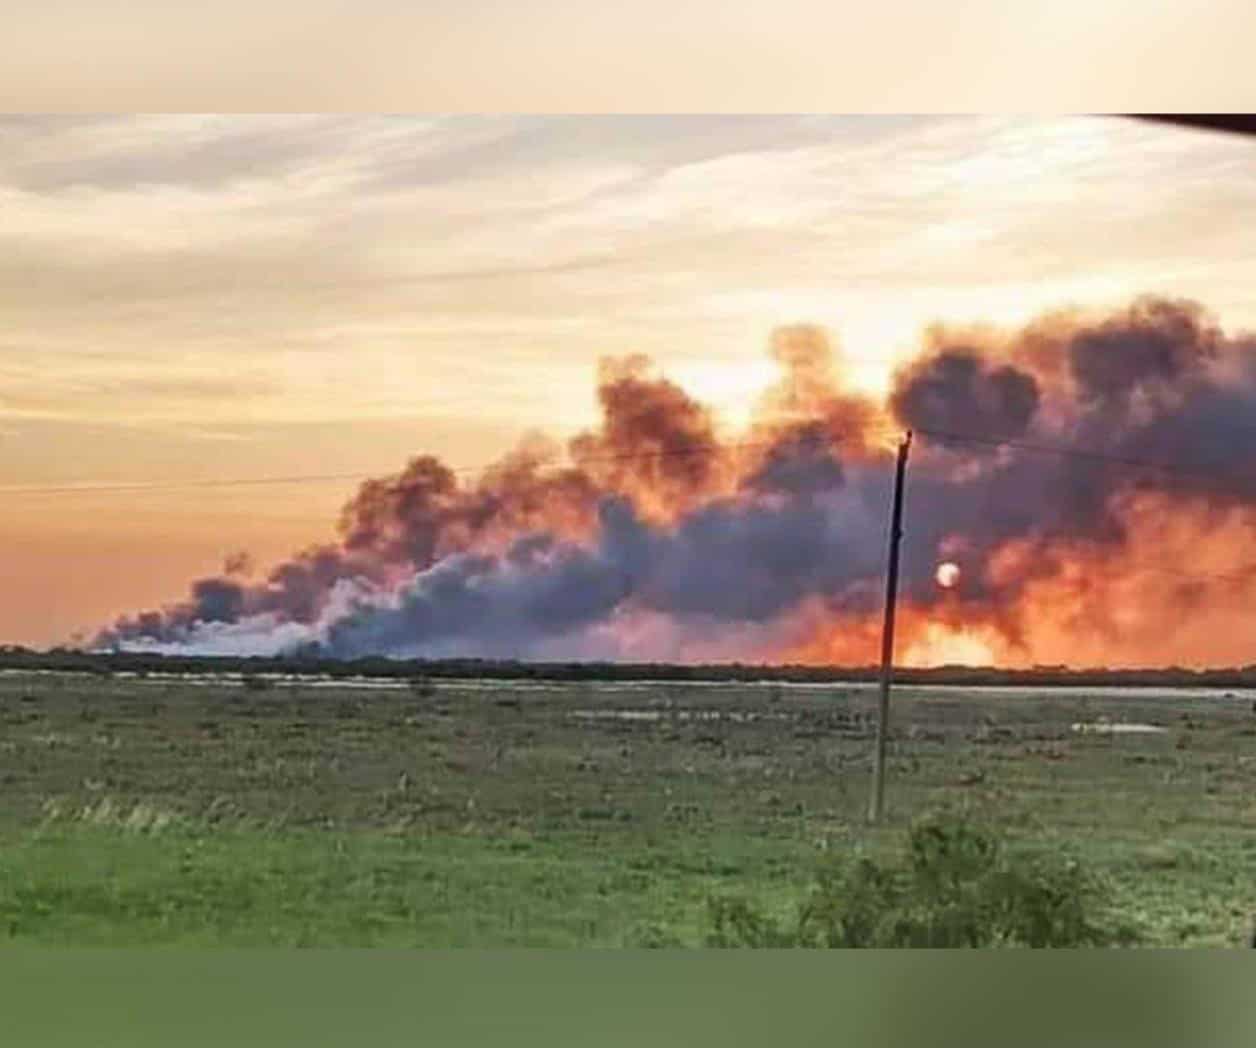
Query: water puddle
{"x": 1113, "y": 728}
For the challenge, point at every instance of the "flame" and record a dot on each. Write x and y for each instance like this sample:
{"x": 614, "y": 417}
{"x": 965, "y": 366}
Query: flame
{"x": 942, "y": 645}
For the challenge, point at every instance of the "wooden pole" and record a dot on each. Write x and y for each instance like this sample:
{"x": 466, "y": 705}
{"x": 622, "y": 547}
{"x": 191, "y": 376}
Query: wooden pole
{"x": 877, "y": 803}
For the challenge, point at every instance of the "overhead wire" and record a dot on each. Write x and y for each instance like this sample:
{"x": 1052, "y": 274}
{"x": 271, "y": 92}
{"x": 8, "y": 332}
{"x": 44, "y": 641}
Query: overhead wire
{"x": 938, "y": 435}
{"x": 943, "y": 436}
{"x": 1092, "y": 455}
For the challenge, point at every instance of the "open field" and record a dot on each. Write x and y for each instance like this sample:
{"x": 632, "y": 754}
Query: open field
{"x": 145, "y": 810}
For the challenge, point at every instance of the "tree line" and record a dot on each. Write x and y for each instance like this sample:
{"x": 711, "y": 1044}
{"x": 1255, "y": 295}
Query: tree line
{"x": 75, "y": 660}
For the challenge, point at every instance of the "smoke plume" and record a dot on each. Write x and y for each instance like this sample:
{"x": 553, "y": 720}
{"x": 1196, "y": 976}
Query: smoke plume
{"x": 659, "y": 535}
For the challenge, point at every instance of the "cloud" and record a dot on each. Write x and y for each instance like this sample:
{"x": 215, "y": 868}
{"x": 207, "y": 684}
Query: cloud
{"x": 659, "y": 530}
{"x": 332, "y": 254}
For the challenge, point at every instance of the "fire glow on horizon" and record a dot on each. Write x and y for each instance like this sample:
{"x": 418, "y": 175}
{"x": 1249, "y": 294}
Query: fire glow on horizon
{"x": 655, "y": 536}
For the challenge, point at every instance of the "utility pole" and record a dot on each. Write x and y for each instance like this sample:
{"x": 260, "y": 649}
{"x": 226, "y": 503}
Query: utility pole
{"x": 877, "y": 803}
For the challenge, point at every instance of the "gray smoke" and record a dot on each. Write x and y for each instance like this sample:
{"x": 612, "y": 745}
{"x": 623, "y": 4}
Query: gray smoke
{"x": 662, "y": 531}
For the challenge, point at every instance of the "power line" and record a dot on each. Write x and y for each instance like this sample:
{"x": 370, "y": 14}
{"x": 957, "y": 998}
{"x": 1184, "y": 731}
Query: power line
{"x": 679, "y": 452}
{"x": 134, "y": 487}
{"x": 627, "y": 456}
{"x": 1122, "y": 460}
{"x": 943, "y": 436}
{"x": 1085, "y": 453}
{"x": 141, "y": 486}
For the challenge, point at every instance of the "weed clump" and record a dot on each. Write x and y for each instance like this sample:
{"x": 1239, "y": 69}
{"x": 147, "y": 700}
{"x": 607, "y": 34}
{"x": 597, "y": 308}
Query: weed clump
{"x": 141, "y": 817}
{"x": 954, "y": 886}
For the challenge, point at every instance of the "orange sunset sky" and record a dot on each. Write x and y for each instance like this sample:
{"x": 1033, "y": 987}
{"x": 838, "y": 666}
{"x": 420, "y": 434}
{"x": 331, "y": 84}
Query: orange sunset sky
{"x": 189, "y": 298}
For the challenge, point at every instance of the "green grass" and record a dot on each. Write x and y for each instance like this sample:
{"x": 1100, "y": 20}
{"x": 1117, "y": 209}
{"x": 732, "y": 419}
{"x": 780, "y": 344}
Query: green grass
{"x": 91, "y": 884}
{"x": 150, "y": 812}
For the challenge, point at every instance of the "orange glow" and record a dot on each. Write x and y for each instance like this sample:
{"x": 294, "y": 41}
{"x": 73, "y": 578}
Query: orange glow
{"x": 202, "y": 321}
{"x": 1177, "y": 581}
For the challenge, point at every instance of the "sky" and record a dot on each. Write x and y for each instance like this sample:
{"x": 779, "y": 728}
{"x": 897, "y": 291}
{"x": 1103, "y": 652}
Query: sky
{"x": 652, "y": 56}
{"x": 192, "y": 298}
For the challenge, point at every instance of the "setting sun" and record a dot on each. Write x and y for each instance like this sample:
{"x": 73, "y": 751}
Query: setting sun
{"x": 948, "y": 574}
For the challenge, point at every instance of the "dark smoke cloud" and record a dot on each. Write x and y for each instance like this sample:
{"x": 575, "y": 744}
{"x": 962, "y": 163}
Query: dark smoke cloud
{"x": 1155, "y": 383}
{"x": 802, "y": 461}
{"x": 731, "y": 562}
{"x": 657, "y": 518}
{"x": 1150, "y": 348}
{"x": 656, "y": 444}
{"x": 218, "y": 600}
{"x": 299, "y": 589}
{"x": 498, "y": 606}
{"x": 956, "y": 390}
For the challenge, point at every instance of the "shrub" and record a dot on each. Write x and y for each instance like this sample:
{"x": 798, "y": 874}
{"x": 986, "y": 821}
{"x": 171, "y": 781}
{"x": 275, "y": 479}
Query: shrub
{"x": 954, "y": 886}
{"x": 734, "y": 922}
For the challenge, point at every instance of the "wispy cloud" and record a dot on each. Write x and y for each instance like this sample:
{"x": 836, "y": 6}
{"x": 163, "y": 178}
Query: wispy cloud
{"x": 361, "y": 266}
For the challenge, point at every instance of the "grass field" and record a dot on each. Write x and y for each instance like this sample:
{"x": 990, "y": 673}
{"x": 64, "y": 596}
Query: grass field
{"x": 145, "y": 811}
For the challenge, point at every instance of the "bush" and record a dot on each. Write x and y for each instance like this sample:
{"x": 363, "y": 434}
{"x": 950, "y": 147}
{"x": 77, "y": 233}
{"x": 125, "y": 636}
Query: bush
{"x": 734, "y": 922}
{"x": 955, "y": 886}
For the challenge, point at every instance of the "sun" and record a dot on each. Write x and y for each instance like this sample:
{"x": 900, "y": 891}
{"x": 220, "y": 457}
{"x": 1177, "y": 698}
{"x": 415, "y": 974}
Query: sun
{"x": 948, "y": 574}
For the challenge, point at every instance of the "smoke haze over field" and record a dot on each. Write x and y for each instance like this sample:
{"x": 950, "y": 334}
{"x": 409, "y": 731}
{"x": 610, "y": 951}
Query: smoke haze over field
{"x": 660, "y": 534}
